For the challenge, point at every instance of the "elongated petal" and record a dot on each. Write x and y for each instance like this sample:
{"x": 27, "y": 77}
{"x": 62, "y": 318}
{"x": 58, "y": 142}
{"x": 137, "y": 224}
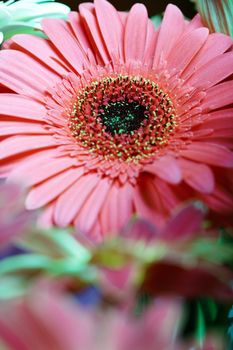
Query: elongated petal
{"x": 213, "y": 72}
{"x": 73, "y": 199}
{"x": 89, "y": 213}
{"x": 170, "y": 31}
{"x": 24, "y": 75}
{"x": 62, "y": 37}
{"x": 218, "y": 96}
{"x": 135, "y": 36}
{"x": 198, "y": 176}
{"x": 215, "y": 45}
{"x": 18, "y": 106}
{"x": 42, "y": 50}
{"x": 187, "y": 48}
{"x": 93, "y": 33}
{"x": 110, "y": 26}
{"x": 37, "y": 169}
{"x": 167, "y": 168}
{"x": 209, "y": 153}
{"x": 18, "y": 144}
{"x": 50, "y": 189}
{"x": 184, "y": 224}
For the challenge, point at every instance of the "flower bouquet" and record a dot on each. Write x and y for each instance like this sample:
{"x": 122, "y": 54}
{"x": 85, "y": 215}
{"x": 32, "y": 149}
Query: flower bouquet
{"x": 116, "y": 165}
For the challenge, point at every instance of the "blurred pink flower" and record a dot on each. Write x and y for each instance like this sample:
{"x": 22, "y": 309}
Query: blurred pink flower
{"x": 14, "y": 219}
{"x": 111, "y": 117}
{"x": 180, "y": 258}
{"x": 50, "y": 321}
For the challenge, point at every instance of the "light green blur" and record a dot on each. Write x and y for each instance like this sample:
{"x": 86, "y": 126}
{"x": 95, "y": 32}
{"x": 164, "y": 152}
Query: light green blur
{"x": 24, "y": 16}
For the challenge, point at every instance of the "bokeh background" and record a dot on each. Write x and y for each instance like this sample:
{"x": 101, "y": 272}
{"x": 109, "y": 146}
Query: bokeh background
{"x": 153, "y": 6}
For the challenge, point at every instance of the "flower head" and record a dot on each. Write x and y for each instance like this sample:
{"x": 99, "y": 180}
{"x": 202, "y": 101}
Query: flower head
{"x": 24, "y": 16}
{"x": 112, "y": 117}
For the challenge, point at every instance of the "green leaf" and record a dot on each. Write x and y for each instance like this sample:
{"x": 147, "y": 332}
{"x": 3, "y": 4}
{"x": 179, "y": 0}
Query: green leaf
{"x": 57, "y": 243}
{"x": 212, "y": 250}
{"x": 200, "y": 325}
{"x": 24, "y": 262}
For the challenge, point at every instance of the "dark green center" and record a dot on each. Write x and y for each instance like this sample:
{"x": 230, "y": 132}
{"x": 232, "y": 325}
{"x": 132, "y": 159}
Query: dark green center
{"x": 122, "y": 117}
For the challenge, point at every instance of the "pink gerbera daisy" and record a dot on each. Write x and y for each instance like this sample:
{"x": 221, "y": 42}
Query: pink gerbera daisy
{"x": 111, "y": 117}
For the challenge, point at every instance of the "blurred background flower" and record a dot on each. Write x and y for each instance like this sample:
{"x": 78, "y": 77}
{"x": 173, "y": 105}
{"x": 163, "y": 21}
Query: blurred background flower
{"x": 15, "y": 220}
{"x": 217, "y": 15}
{"x": 24, "y": 16}
{"x": 51, "y": 320}
{"x": 179, "y": 259}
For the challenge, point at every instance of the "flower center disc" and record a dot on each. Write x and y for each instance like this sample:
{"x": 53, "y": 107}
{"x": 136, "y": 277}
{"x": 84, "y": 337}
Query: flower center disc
{"x": 124, "y": 117}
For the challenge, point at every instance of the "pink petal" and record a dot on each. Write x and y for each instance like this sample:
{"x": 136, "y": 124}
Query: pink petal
{"x": 96, "y": 234}
{"x": 81, "y": 36}
{"x": 140, "y": 229}
{"x": 125, "y": 204}
{"x": 187, "y": 48}
{"x": 48, "y": 309}
{"x": 110, "y": 27}
{"x": 88, "y": 215}
{"x": 21, "y": 107}
{"x": 61, "y": 36}
{"x": 219, "y": 119}
{"x": 10, "y": 336}
{"x": 184, "y": 224}
{"x": 52, "y": 188}
{"x": 223, "y": 141}
{"x": 136, "y": 33}
{"x": 69, "y": 204}
{"x": 214, "y": 71}
{"x": 171, "y": 29}
{"x": 209, "y": 153}
{"x": 23, "y": 74}
{"x": 40, "y": 168}
{"x": 42, "y": 50}
{"x": 9, "y": 165}
{"x": 123, "y": 16}
{"x": 104, "y": 218}
{"x": 194, "y": 23}
{"x": 147, "y": 200}
{"x": 12, "y": 128}
{"x": 220, "y": 201}
{"x": 167, "y": 194}
{"x": 45, "y": 220}
{"x": 215, "y": 45}
{"x": 109, "y": 213}
{"x": 78, "y": 29}
{"x": 93, "y": 33}
{"x": 118, "y": 278}
{"x": 151, "y": 40}
{"x": 167, "y": 168}
{"x": 19, "y": 144}
{"x": 218, "y": 96}
{"x": 198, "y": 176}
